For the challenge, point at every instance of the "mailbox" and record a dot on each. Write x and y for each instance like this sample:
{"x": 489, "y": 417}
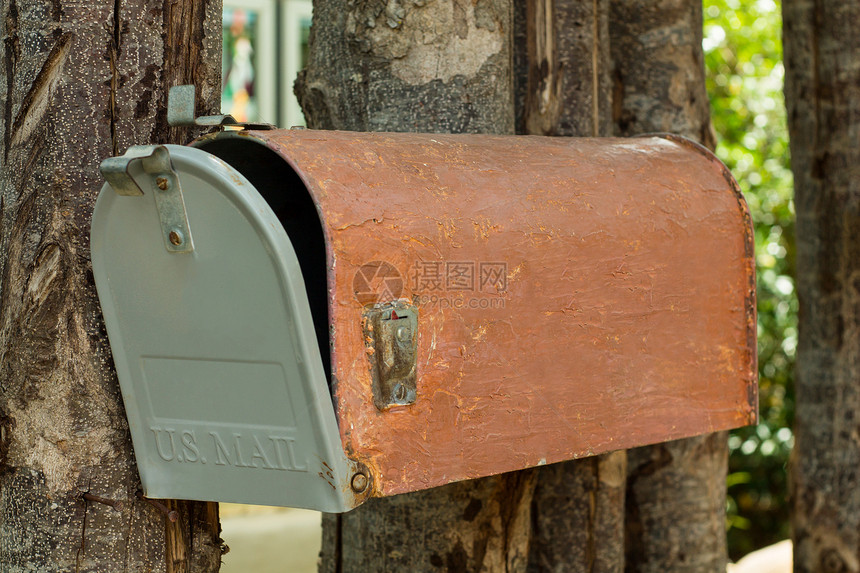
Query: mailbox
{"x": 311, "y": 318}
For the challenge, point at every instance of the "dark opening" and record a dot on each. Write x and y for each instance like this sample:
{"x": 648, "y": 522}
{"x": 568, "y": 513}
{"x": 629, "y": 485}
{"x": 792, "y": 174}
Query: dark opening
{"x": 286, "y": 194}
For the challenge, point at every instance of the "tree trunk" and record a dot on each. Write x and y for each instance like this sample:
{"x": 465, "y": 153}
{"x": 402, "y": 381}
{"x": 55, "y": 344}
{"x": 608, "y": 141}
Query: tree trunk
{"x": 823, "y": 101}
{"x": 659, "y": 77}
{"x": 569, "y": 68}
{"x": 443, "y": 66}
{"x": 676, "y": 491}
{"x": 83, "y": 81}
{"x": 578, "y": 516}
{"x": 578, "y": 506}
{"x": 377, "y": 66}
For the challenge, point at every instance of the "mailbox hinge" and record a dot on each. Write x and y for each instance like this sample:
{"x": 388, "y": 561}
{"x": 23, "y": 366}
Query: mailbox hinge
{"x": 150, "y": 166}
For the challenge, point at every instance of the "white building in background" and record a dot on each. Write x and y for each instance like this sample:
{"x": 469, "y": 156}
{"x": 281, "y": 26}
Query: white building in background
{"x": 265, "y": 46}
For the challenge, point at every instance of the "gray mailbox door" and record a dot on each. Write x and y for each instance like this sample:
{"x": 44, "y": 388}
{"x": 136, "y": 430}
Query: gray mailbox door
{"x": 214, "y": 345}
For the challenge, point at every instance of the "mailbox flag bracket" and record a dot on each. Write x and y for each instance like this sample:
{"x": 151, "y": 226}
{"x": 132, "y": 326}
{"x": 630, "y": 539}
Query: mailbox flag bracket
{"x": 150, "y": 166}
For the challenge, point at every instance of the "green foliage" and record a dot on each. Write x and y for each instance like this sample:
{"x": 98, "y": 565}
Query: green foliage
{"x": 743, "y": 55}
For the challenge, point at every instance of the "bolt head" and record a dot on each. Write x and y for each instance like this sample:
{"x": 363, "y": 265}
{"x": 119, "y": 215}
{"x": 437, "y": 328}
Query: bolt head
{"x": 359, "y": 483}
{"x": 403, "y": 334}
{"x": 162, "y": 183}
{"x": 175, "y": 238}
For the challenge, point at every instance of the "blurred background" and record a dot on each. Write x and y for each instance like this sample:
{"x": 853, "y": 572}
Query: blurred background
{"x": 743, "y": 56}
{"x": 265, "y": 45}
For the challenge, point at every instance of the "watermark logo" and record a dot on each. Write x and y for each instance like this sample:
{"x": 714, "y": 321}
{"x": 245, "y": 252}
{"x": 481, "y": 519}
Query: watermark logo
{"x": 463, "y": 276}
{"x": 377, "y": 281}
{"x": 446, "y": 284}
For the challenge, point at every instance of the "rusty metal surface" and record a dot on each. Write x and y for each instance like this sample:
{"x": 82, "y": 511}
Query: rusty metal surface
{"x": 616, "y": 306}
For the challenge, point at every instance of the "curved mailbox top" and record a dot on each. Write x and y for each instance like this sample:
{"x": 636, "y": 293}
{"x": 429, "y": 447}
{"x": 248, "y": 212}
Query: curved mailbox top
{"x": 495, "y": 303}
{"x": 214, "y": 348}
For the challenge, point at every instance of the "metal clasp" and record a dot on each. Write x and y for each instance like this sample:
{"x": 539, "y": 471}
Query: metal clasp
{"x": 150, "y": 166}
{"x": 391, "y": 335}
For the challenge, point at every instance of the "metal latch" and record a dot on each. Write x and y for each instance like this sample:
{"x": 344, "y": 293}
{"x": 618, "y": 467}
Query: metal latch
{"x": 150, "y": 166}
{"x": 391, "y": 336}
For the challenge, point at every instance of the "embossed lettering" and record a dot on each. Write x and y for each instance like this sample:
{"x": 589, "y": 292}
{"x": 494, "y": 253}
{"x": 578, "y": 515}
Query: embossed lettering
{"x": 240, "y": 463}
{"x": 290, "y": 462}
{"x": 156, "y": 430}
{"x": 189, "y": 445}
{"x": 222, "y": 456}
{"x": 248, "y": 447}
{"x": 260, "y": 453}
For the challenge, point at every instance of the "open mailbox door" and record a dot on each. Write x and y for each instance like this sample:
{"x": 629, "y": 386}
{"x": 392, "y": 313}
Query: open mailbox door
{"x": 310, "y": 318}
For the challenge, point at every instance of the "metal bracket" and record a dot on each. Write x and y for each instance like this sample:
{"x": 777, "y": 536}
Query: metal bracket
{"x": 152, "y": 164}
{"x": 180, "y": 112}
{"x": 391, "y": 335}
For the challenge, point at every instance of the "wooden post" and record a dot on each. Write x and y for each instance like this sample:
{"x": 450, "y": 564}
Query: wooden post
{"x": 436, "y": 67}
{"x": 578, "y": 506}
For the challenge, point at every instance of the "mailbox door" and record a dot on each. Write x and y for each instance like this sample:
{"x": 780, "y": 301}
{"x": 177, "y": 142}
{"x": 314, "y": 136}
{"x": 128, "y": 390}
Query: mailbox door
{"x": 215, "y": 350}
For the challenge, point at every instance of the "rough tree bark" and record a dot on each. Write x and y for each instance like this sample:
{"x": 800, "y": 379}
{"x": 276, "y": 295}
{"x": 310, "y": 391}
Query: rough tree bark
{"x": 565, "y": 77}
{"x": 822, "y": 92}
{"x": 82, "y": 81}
{"x": 409, "y": 66}
{"x": 659, "y": 77}
{"x": 676, "y": 491}
{"x": 567, "y": 68}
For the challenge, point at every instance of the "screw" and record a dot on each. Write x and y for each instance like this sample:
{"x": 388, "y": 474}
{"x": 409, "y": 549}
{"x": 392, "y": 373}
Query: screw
{"x": 171, "y": 514}
{"x": 359, "y": 482}
{"x": 400, "y": 392}
{"x": 161, "y": 182}
{"x": 116, "y": 504}
{"x": 175, "y": 237}
{"x": 403, "y": 334}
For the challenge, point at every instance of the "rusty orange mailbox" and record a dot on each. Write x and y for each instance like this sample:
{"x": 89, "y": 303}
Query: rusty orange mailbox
{"x": 457, "y": 306}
